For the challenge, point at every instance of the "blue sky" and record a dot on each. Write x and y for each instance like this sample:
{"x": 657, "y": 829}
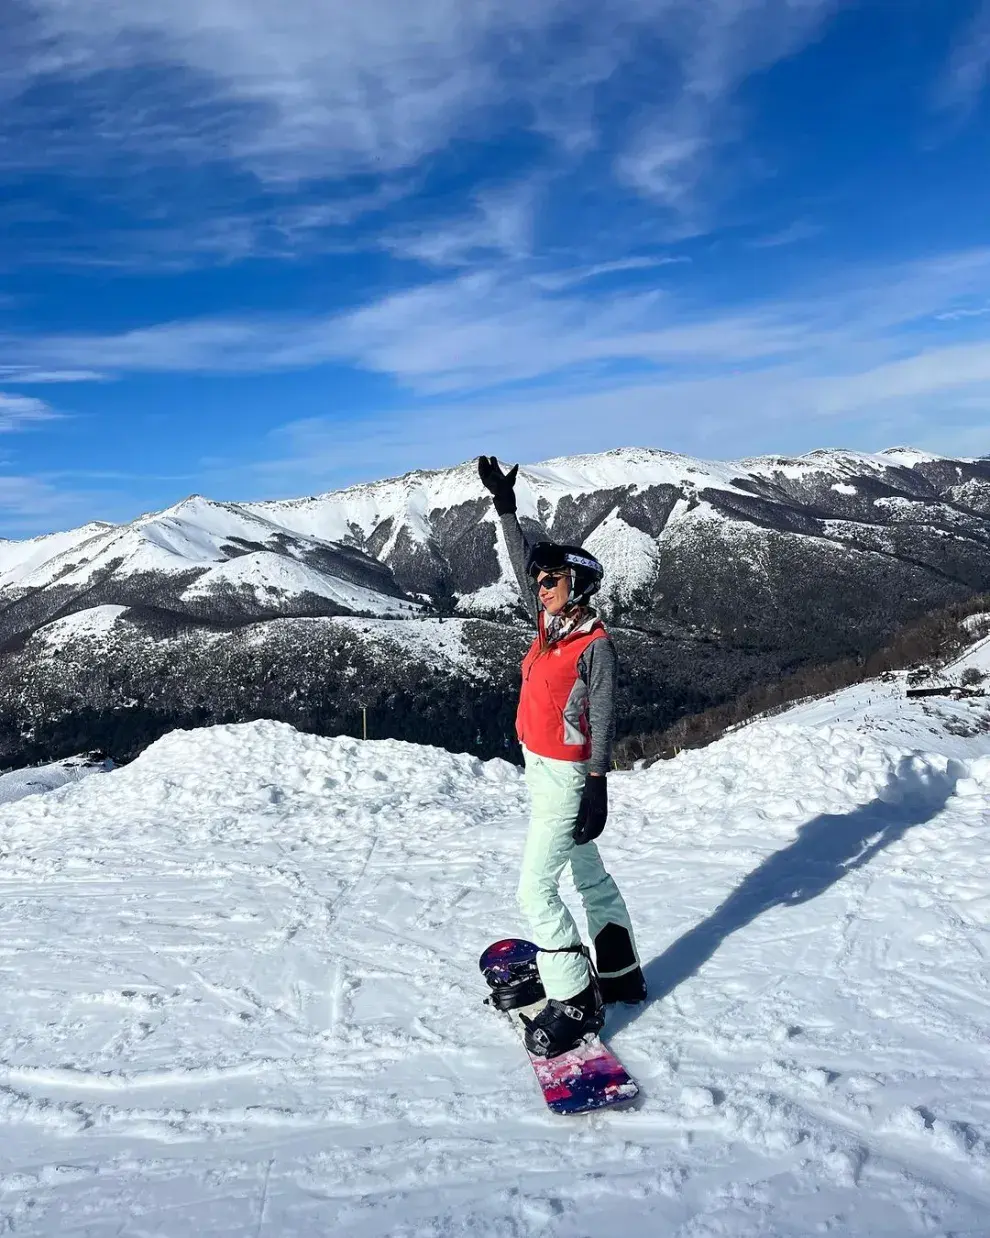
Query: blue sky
{"x": 273, "y": 247}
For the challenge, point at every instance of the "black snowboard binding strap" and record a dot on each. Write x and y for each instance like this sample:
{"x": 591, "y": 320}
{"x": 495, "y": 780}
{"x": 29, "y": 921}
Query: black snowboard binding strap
{"x": 512, "y": 974}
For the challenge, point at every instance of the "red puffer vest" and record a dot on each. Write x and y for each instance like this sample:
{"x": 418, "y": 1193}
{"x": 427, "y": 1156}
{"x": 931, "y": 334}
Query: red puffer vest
{"x": 552, "y": 719}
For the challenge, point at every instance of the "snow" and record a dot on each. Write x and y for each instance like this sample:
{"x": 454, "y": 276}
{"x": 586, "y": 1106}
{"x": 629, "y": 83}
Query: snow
{"x": 94, "y": 621}
{"x": 498, "y": 597}
{"x": 437, "y": 642}
{"x": 20, "y": 559}
{"x": 241, "y": 993}
{"x": 977, "y": 624}
{"x": 630, "y": 556}
{"x": 271, "y": 576}
{"x": 230, "y": 546}
{"x": 39, "y": 779}
{"x": 977, "y": 657}
{"x": 199, "y": 534}
{"x": 408, "y": 501}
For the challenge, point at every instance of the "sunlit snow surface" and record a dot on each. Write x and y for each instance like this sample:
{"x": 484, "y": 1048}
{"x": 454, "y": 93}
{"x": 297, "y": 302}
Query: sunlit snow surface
{"x": 241, "y": 994}
{"x": 17, "y": 784}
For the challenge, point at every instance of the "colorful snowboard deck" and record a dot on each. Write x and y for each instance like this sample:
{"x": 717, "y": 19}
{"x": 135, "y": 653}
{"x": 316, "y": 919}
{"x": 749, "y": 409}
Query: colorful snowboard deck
{"x": 587, "y": 1077}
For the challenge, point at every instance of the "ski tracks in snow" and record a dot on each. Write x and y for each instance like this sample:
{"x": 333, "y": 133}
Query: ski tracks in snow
{"x": 240, "y": 997}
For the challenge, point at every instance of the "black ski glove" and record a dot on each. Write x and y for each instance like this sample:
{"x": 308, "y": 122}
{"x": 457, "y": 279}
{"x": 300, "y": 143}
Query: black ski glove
{"x": 500, "y": 484}
{"x": 593, "y": 812}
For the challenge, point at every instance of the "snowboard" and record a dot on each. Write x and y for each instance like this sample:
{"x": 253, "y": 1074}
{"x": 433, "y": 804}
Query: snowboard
{"x": 585, "y": 1078}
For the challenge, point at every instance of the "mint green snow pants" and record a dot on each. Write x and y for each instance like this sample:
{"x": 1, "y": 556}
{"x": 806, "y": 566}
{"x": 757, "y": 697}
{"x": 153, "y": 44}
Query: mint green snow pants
{"x": 555, "y": 790}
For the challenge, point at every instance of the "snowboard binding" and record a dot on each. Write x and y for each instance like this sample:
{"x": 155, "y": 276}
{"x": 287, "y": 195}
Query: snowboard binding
{"x": 510, "y": 969}
{"x": 586, "y": 1078}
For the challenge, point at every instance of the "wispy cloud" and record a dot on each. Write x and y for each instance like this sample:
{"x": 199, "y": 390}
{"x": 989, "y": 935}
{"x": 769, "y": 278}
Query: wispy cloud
{"x": 927, "y": 400}
{"x": 501, "y": 223}
{"x": 958, "y": 315}
{"x": 482, "y": 330}
{"x": 26, "y": 376}
{"x": 17, "y": 412}
{"x": 473, "y": 332}
{"x": 664, "y": 164}
{"x": 716, "y": 45}
{"x": 39, "y": 503}
{"x": 793, "y": 234}
{"x": 482, "y": 351}
{"x": 559, "y": 280}
{"x": 328, "y": 88}
{"x": 968, "y": 71}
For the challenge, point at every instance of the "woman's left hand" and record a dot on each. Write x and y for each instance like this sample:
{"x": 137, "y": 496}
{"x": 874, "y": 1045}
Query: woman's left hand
{"x": 593, "y": 811}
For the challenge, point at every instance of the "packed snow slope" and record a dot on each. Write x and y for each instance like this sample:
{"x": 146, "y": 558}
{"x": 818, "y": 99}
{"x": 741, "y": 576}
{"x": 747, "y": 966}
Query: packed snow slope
{"x": 240, "y": 992}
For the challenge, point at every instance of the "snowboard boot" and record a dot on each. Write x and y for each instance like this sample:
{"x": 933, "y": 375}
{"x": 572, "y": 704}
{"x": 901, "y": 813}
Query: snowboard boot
{"x": 563, "y": 1025}
{"x": 629, "y": 987}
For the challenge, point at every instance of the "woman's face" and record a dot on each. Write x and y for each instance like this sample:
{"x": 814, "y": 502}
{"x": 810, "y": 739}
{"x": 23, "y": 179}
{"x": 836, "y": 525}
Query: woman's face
{"x": 553, "y": 590}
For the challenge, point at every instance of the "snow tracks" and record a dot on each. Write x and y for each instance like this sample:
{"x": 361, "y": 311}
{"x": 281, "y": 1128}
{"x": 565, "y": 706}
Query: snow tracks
{"x": 240, "y": 996}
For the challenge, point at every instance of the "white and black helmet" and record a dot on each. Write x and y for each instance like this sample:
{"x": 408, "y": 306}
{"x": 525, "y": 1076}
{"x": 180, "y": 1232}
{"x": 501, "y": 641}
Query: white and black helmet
{"x": 586, "y": 571}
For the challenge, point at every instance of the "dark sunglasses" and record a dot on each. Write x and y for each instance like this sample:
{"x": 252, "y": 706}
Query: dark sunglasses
{"x": 550, "y": 582}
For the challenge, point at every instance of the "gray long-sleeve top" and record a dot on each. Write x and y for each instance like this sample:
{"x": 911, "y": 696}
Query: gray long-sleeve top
{"x": 597, "y": 666}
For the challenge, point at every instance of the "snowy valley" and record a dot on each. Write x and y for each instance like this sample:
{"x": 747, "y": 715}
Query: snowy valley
{"x": 240, "y": 990}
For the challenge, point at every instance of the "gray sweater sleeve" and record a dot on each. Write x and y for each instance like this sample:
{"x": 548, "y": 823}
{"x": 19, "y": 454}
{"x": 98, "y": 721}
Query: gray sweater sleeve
{"x": 598, "y": 667}
{"x": 518, "y": 548}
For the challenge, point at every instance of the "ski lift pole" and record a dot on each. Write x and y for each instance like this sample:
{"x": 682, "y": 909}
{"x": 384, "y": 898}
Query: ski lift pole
{"x": 364, "y": 722}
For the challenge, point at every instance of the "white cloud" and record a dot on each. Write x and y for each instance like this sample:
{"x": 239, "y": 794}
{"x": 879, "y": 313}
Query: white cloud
{"x": 718, "y": 417}
{"x": 859, "y": 354}
{"x": 959, "y": 315}
{"x": 717, "y": 44}
{"x": 663, "y": 164}
{"x": 482, "y": 330}
{"x": 304, "y": 88}
{"x": 580, "y": 275}
{"x": 26, "y": 376}
{"x": 20, "y": 411}
{"x": 34, "y": 504}
{"x": 502, "y": 223}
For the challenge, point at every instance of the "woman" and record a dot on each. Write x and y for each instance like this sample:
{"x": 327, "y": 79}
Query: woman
{"x": 566, "y": 724}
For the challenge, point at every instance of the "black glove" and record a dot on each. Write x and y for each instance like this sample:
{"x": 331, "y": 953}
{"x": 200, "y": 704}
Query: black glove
{"x": 593, "y": 812}
{"x": 500, "y": 484}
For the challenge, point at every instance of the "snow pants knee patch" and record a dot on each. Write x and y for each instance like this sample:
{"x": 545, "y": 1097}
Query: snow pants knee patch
{"x": 614, "y": 950}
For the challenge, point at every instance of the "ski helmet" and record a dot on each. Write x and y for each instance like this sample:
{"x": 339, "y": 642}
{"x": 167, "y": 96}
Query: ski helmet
{"x": 586, "y": 571}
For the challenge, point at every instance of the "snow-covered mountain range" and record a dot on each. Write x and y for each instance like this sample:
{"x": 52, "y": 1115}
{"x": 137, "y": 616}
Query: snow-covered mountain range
{"x": 242, "y": 993}
{"x": 766, "y": 562}
{"x": 639, "y": 509}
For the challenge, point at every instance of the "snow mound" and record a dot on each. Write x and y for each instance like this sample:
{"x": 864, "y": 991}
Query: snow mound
{"x": 242, "y": 991}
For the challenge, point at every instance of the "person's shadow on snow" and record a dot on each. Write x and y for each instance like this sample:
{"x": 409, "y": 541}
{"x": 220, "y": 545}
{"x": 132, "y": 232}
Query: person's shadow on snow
{"x": 826, "y": 848}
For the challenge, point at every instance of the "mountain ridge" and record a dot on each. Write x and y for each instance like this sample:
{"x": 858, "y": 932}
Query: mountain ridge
{"x": 719, "y": 574}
